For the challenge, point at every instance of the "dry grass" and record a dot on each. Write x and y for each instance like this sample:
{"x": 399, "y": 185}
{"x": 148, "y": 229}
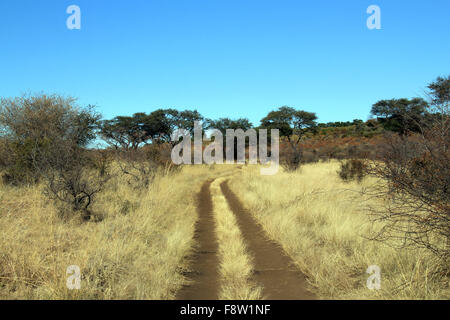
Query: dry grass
{"x": 320, "y": 221}
{"x": 137, "y": 251}
{"x": 138, "y": 248}
{"x": 236, "y": 265}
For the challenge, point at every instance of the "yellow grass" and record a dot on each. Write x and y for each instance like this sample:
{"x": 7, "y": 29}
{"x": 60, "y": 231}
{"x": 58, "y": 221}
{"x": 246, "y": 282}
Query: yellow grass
{"x": 140, "y": 247}
{"x": 138, "y": 251}
{"x": 236, "y": 265}
{"x": 320, "y": 221}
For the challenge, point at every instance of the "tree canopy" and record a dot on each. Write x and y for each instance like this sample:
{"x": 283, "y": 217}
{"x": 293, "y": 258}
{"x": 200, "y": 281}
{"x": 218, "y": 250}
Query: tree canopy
{"x": 440, "y": 91}
{"x": 289, "y": 121}
{"x": 401, "y": 115}
{"x": 132, "y": 132}
{"x": 223, "y": 124}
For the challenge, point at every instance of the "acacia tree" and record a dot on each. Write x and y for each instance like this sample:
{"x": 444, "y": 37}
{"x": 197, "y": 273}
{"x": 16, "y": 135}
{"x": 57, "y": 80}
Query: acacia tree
{"x": 224, "y": 124}
{"x": 131, "y": 133}
{"x": 186, "y": 120}
{"x": 123, "y": 132}
{"x": 141, "y": 141}
{"x": 401, "y": 115}
{"x": 292, "y": 124}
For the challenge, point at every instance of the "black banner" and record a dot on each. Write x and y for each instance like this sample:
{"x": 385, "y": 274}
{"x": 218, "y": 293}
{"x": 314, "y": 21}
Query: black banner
{"x": 261, "y": 309}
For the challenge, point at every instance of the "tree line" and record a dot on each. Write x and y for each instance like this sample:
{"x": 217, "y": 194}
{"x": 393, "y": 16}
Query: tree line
{"x": 47, "y": 138}
{"x": 30, "y": 126}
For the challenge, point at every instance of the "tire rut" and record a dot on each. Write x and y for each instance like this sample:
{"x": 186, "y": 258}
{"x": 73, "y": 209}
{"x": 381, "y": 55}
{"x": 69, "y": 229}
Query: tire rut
{"x": 274, "y": 269}
{"x": 205, "y": 275}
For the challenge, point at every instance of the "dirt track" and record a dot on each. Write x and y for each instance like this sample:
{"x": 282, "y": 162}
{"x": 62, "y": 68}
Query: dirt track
{"x": 273, "y": 268}
{"x": 205, "y": 276}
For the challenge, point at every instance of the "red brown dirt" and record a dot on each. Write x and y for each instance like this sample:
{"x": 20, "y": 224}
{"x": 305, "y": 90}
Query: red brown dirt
{"x": 274, "y": 269}
{"x": 205, "y": 275}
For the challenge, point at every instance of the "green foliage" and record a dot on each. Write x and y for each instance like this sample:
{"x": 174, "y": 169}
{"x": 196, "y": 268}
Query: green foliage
{"x": 401, "y": 115}
{"x": 289, "y": 121}
{"x": 140, "y": 129}
{"x": 440, "y": 91}
{"x": 340, "y": 124}
{"x": 292, "y": 124}
{"x": 223, "y": 124}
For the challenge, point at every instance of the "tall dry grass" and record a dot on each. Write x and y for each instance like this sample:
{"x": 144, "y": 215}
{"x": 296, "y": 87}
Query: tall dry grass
{"x": 321, "y": 222}
{"x": 236, "y": 264}
{"x": 138, "y": 247}
{"x": 137, "y": 251}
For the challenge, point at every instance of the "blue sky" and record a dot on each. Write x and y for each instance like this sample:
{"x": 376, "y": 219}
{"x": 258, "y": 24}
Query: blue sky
{"x": 224, "y": 57}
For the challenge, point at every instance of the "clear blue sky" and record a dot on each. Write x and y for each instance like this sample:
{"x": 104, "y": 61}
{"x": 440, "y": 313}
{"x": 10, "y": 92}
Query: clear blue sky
{"x": 224, "y": 57}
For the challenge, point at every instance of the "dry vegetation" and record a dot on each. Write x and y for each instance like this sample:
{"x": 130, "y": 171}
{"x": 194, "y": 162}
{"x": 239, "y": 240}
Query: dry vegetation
{"x": 236, "y": 266}
{"x": 321, "y": 222}
{"x": 126, "y": 215}
{"x": 136, "y": 250}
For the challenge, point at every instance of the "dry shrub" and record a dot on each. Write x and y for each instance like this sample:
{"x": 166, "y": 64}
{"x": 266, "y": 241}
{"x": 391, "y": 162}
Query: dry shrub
{"x": 310, "y": 156}
{"x": 101, "y": 161}
{"x": 292, "y": 158}
{"x": 415, "y": 172}
{"x": 70, "y": 181}
{"x": 33, "y": 128}
{"x": 415, "y": 175}
{"x": 141, "y": 165}
{"x": 353, "y": 169}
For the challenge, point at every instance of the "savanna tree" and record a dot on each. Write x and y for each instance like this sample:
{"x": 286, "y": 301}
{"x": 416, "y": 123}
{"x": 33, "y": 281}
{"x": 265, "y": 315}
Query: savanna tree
{"x": 401, "y": 115}
{"x": 133, "y": 132}
{"x": 292, "y": 124}
{"x": 224, "y": 124}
